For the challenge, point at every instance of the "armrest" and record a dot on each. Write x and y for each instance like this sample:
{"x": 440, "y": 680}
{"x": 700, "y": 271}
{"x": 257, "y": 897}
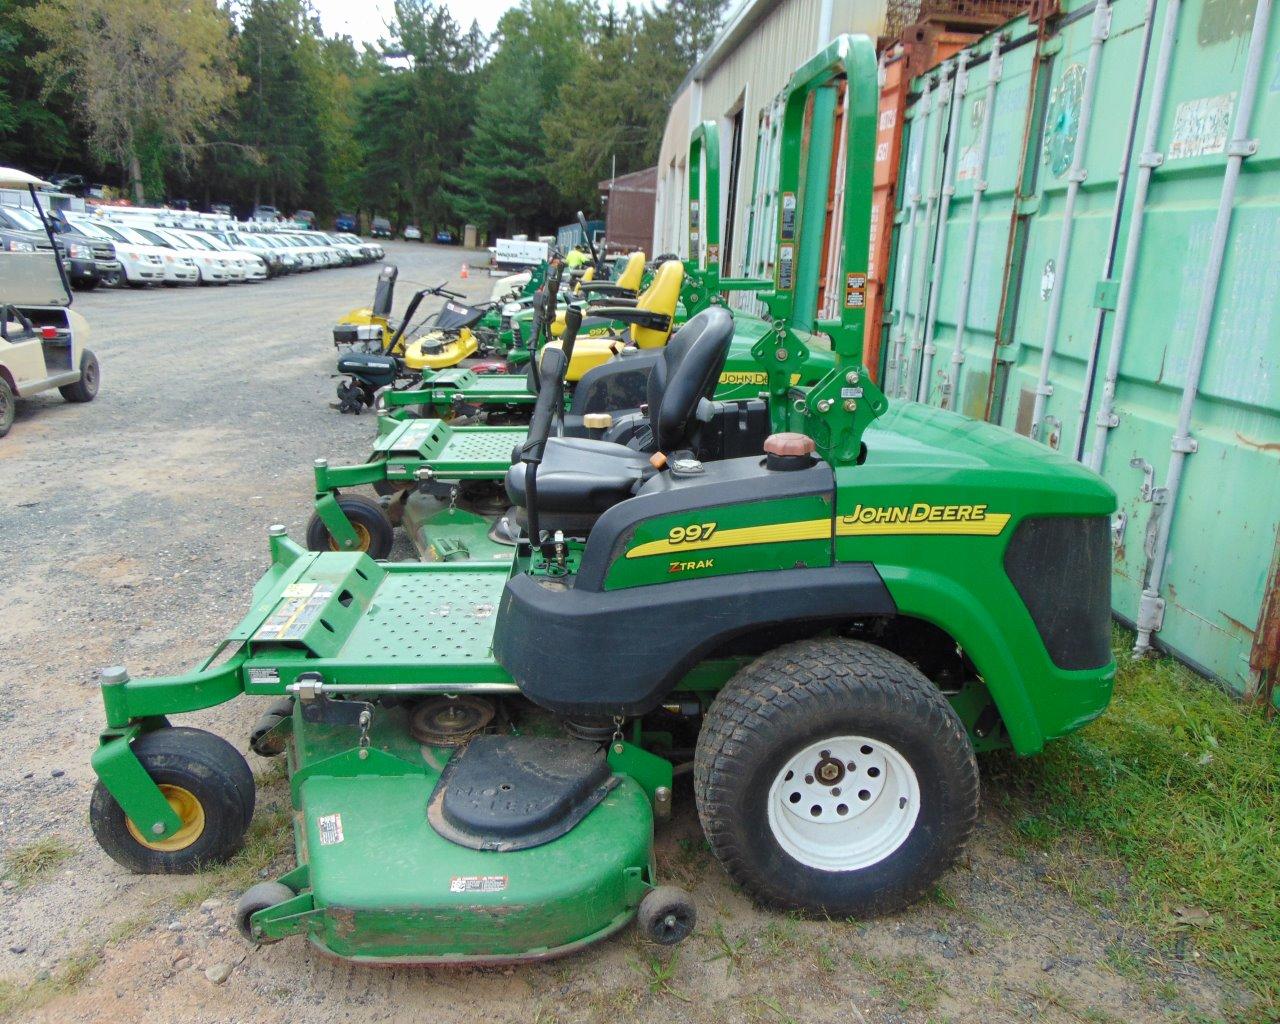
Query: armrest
{"x": 606, "y": 288}
{"x": 639, "y": 317}
{"x": 614, "y": 300}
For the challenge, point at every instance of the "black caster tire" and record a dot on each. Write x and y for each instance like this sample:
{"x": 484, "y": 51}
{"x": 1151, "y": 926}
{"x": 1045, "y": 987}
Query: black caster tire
{"x": 205, "y": 779}
{"x": 833, "y": 778}
{"x": 260, "y": 897}
{"x": 86, "y": 388}
{"x": 8, "y": 408}
{"x": 371, "y": 523}
{"x": 261, "y": 740}
{"x": 667, "y": 915}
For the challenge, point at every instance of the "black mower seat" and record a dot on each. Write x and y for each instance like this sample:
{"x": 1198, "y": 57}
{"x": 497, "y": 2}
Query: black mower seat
{"x": 581, "y": 474}
{"x": 584, "y": 475}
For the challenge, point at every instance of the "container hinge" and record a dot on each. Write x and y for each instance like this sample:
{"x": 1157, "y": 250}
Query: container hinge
{"x": 1107, "y": 420}
{"x": 1152, "y": 159}
{"x": 1150, "y": 612}
{"x": 1077, "y": 176}
{"x": 1044, "y": 390}
{"x": 1242, "y": 148}
{"x": 1184, "y": 443}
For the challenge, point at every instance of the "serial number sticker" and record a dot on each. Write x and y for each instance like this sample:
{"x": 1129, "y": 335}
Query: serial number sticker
{"x": 478, "y": 883}
{"x": 851, "y": 392}
{"x": 264, "y": 675}
{"x": 330, "y": 828}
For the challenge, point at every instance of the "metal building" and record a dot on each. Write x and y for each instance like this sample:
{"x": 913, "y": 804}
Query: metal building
{"x": 736, "y": 84}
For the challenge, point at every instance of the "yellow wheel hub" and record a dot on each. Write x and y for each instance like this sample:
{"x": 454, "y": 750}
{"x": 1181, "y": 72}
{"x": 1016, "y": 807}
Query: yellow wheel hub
{"x": 188, "y": 808}
{"x": 362, "y": 534}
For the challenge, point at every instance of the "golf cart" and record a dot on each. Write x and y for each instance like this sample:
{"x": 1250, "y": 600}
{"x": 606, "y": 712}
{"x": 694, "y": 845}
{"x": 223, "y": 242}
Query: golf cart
{"x": 41, "y": 339}
{"x": 375, "y": 356}
{"x": 824, "y": 631}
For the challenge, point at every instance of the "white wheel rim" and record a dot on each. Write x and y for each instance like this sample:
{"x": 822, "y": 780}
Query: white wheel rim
{"x": 844, "y": 803}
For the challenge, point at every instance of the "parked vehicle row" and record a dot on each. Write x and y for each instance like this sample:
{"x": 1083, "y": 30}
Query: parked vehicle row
{"x": 138, "y": 253}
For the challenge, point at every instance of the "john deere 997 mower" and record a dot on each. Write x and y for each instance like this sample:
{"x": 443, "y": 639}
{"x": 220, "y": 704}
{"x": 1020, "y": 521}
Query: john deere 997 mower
{"x": 827, "y": 629}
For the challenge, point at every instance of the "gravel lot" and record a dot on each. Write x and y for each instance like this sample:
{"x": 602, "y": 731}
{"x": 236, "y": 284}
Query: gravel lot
{"x": 134, "y": 528}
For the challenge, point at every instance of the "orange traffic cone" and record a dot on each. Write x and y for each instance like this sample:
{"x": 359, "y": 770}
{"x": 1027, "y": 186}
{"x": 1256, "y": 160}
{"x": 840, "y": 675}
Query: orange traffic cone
{"x": 465, "y": 272}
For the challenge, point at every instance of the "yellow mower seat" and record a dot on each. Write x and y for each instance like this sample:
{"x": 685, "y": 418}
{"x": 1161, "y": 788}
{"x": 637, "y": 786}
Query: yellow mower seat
{"x": 633, "y": 273}
{"x": 660, "y": 298}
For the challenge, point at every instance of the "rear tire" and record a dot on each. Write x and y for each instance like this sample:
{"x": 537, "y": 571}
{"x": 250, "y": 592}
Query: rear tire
{"x": 372, "y": 525}
{"x": 833, "y": 778}
{"x": 206, "y": 779}
{"x": 8, "y": 407}
{"x": 86, "y": 388}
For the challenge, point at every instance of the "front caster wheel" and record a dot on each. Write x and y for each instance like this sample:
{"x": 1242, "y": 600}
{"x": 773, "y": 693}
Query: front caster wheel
{"x": 374, "y": 531}
{"x": 260, "y": 897}
{"x": 666, "y": 915}
{"x": 206, "y": 782}
{"x": 352, "y": 397}
{"x": 833, "y": 778}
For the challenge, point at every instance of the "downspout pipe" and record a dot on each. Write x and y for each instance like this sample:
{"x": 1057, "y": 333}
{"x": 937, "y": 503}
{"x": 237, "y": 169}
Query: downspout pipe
{"x": 975, "y": 210}
{"x": 1151, "y": 607}
{"x": 914, "y": 171}
{"x": 1113, "y": 237}
{"x": 1150, "y": 159}
{"x": 958, "y": 88}
{"x": 1075, "y": 178}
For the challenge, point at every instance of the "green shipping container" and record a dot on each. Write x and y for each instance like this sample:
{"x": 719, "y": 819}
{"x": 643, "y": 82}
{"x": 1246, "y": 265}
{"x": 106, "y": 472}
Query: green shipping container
{"x": 1087, "y": 250}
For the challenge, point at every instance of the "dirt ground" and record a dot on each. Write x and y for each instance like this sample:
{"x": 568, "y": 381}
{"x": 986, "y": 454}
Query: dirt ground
{"x": 133, "y": 528}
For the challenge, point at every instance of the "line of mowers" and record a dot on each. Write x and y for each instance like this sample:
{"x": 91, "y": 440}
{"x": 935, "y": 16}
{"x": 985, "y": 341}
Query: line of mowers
{"x": 679, "y": 547}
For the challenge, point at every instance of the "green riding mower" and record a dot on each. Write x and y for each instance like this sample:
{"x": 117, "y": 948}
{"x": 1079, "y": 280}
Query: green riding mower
{"x": 823, "y": 632}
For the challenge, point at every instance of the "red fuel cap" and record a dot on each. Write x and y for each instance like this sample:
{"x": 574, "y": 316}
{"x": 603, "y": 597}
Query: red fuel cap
{"x": 789, "y": 444}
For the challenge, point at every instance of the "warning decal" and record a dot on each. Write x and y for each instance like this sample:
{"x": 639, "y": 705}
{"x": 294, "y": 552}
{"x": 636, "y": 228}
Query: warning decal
{"x": 330, "y": 828}
{"x": 855, "y": 291}
{"x": 299, "y": 607}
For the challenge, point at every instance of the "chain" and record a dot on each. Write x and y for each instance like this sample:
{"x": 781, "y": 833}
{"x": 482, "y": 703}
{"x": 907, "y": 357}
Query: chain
{"x": 366, "y": 717}
{"x": 618, "y": 721}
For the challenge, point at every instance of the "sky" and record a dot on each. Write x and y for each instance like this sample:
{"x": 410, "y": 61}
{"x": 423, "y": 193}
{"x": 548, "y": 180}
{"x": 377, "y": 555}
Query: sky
{"x": 366, "y": 20}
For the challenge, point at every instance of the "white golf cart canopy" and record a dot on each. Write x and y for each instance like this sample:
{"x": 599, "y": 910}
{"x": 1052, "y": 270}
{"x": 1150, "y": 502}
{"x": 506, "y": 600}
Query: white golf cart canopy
{"x": 11, "y": 177}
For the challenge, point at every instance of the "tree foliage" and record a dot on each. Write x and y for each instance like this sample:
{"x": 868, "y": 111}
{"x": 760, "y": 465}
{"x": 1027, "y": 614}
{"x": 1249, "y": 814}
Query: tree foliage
{"x": 248, "y": 101}
{"x": 148, "y": 77}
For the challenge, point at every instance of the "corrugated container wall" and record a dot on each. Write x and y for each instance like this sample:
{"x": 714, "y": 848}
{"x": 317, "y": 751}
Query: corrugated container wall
{"x": 736, "y": 84}
{"x": 1087, "y": 250}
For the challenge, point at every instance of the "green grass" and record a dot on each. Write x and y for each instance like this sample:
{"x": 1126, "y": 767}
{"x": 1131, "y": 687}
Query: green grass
{"x": 1180, "y": 783}
{"x": 26, "y": 863}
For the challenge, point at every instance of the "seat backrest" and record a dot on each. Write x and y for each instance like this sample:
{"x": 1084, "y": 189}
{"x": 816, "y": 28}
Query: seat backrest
{"x": 587, "y": 275}
{"x": 687, "y": 372}
{"x": 633, "y": 273}
{"x": 384, "y": 291}
{"x": 660, "y": 297}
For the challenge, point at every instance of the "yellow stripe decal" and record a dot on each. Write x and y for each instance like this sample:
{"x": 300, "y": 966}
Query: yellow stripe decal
{"x": 773, "y": 533}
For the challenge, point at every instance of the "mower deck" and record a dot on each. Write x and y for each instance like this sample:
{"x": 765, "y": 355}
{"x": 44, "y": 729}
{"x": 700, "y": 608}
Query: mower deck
{"x": 384, "y": 885}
